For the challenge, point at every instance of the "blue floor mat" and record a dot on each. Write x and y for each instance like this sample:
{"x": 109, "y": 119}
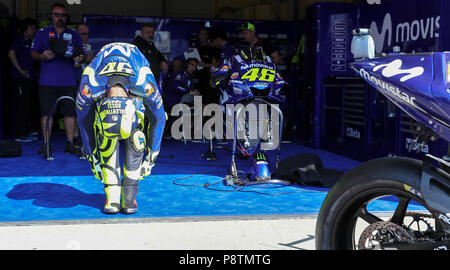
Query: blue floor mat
{"x": 182, "y": 184}
{"x": 81, "y": 197}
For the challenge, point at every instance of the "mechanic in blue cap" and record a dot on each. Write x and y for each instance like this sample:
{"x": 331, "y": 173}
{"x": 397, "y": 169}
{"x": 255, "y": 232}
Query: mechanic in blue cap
{"x": 256, "y": 45}
{"x": 119, "y": 101}
{"x": 57, "y": 47}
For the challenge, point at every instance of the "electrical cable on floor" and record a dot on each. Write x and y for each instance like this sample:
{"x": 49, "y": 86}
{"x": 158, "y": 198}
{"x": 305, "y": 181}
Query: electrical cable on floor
{"x": 240, "y": 187}
{"x": 236, "y": 187}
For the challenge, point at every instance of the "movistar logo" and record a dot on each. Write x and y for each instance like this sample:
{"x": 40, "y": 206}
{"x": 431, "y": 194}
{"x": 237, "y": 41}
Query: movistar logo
{"x": 379, "y": 37}
{"x": 394, "y": 68}
{"x": 388, "y": 88}
{"x": 427, "y": 28}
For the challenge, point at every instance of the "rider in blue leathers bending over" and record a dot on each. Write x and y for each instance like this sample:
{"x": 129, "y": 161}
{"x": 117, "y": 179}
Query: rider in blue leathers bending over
{"x": 119, "y": 101}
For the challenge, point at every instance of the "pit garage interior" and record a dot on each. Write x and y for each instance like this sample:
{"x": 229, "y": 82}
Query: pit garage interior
{"x": 331, "y": 114}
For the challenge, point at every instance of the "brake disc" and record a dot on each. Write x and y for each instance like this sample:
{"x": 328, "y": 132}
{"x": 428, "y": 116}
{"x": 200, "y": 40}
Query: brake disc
{"x": 383, "y": 232}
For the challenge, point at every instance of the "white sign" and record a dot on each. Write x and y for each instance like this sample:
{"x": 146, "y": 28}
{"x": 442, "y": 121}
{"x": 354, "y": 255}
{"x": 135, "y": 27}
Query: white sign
{"x": 162, "y": 41}
{"x": 74, "y": 2}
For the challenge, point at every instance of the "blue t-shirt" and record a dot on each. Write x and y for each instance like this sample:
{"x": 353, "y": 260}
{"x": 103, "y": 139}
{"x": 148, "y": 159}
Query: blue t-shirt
{"x": 59, "y": 71}
{"x": 179, "y": 84}
{"x": 227, "y": 51}
{"x": 22, "y": 47}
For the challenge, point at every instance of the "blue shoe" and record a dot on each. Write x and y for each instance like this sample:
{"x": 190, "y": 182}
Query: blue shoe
{"x": 34, "y": 135}
{"x": 26, "y": 139}
{"x": 22, "y": 140}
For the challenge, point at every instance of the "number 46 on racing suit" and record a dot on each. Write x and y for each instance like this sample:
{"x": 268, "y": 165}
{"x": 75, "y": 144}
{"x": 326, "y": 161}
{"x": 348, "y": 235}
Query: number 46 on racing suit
{"x": 119, "y": 101}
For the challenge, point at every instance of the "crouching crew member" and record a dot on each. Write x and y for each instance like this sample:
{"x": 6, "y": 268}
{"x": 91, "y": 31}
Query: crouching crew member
{"x": 119, "y": 101}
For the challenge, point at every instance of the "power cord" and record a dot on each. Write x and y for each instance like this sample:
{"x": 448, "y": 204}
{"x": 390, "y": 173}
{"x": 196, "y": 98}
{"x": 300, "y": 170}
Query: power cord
{"x": 240, "y": 187}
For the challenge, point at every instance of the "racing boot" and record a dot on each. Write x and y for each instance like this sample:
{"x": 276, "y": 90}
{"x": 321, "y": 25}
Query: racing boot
{"x": 129, "y": 193}
{"x": 112, "y": 204}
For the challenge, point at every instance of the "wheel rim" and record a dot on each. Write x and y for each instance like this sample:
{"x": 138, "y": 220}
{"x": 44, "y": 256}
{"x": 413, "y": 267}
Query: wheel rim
{"x": 345, "y": 231}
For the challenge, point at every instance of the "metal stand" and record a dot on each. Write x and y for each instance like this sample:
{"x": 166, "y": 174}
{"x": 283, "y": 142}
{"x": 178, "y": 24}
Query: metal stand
{"x": 210, "y": 155}
{"x": 233, "y": 176}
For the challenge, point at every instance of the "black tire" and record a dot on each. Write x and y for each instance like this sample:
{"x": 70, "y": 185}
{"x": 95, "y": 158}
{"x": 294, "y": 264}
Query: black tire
{"x": 347, "y": 199}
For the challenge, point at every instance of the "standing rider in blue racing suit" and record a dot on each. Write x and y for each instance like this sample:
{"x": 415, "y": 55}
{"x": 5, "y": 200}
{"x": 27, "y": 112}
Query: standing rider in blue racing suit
{"x": 119, "y": 100}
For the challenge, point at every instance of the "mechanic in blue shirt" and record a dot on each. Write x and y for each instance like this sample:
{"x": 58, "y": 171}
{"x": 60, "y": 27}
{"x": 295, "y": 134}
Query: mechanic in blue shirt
{"x": 119, "y": 101}
{"x": 23, "y": 80}
{"x": 181, "y": 83}
{"x": 58, "y": 47}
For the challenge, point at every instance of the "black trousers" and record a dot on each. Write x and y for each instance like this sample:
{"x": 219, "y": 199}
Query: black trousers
{"x": 25, "y": 117}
